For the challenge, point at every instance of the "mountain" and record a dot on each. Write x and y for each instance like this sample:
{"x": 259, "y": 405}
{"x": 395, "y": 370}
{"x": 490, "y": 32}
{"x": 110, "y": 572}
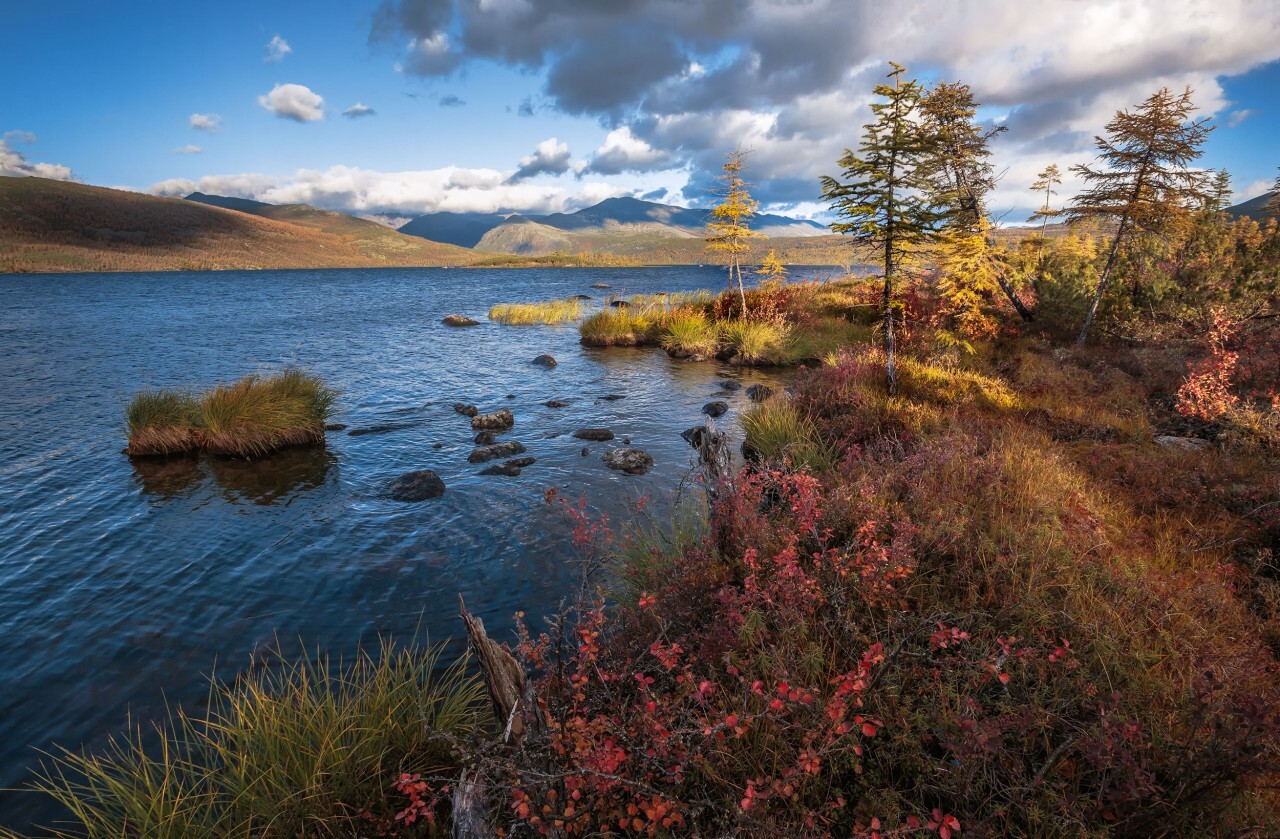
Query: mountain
{"x": 48, "y": 226}
{"x": 226, "y": 202}
{"x": 1254, "y": 208}
{"x": 615, "y": 225}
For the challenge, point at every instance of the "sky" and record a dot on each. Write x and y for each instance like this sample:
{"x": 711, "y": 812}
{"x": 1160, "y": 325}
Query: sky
{"x": 402, "y": 107}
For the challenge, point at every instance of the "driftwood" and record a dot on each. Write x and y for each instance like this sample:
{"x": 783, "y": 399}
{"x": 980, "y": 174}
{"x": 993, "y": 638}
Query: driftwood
{"x": 717, "y": 459}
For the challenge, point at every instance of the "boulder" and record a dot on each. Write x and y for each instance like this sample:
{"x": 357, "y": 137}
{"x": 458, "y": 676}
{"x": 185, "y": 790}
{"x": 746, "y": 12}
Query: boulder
{"x": 730, "y": 385}
{"x": 759, "y": 393}
{"x": 416, "y": 486}
{"x": 693, "y": 436}
{"x": 715, "y": 409}
{"x": 481, "y": 454}
{"x": 545, "y": 360}
{"x": 459, "y": 320}
{"x": 505, "y": 468}
{"x": 583, "y": 296}
{"x": 631, "y": 461}
{"x": 466, "y": 410}
{"x": 496, "y": 421}
{"x": 522, "y": 462}
{"x": 599, "y": 435}
{"x": 556, "y": 403}
{"x": 486, "y": 438}
{"x": 1190, "y": 444}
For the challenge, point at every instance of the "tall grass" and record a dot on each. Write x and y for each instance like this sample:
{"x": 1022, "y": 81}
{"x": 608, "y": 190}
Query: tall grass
{"x": 289, "y": 749}
{"x": 688, "y": 333}
{"x": 621, "y": 326}
{"x": 257, "y": 415}
{"x": 776, "y": 432}
{"x": 753, "y": 342}
{"x": 549, "y": 312}
{"x": 161, "y": 422}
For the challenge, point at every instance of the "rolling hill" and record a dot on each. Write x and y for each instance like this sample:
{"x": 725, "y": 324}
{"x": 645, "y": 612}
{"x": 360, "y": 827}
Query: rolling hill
{"x": 1254, "y": 208}
{"x": 54, "y": 226}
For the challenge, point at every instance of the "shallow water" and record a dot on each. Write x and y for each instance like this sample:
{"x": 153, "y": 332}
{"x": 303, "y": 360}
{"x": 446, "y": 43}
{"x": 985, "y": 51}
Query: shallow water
{"x": 124, "y": 584}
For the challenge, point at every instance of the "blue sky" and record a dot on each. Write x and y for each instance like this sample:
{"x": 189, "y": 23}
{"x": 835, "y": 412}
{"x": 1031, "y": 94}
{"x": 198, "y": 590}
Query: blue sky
{"x": 623, "y": 100}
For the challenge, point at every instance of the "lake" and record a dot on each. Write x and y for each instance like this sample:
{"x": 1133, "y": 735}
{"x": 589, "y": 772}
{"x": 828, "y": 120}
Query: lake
{"x": 124, "y": 585}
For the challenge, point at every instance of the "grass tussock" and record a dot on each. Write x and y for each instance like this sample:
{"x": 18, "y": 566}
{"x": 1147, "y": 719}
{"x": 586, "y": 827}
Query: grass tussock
{"x": 248, "y": 418}
{"x": 620, "y": 327}
{"x": 547, "y": 312}
{"x": 289, "y": 749}
{"x": 778, "y": 433}
{"x": 690, "y": 333}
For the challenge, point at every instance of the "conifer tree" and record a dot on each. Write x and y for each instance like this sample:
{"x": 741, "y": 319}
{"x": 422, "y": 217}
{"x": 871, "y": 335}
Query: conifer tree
{"x": 772, "y": 267}
{"x": 1145, "y": 172}
{"x": 882, "y": 192}
{"x": 1219, "y": 197}
{"x": 728, "y": 231}
{"x": 1048, "y": 178}
{"x": 1273, "y": 206}
{"x": 962, "y": 176}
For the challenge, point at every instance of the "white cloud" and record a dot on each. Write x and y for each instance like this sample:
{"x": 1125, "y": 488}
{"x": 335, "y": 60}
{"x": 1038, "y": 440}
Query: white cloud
{"x": 293, "y": 101}
{"x": 550, "y": 157}
{"x": 206, "y": 122}
{"x": 411, "y": 193}
{"x": 1238, "y": 116}
{"x": 1251, "y": 190}
{"x": 623, "y": 152}
{"x": 359, "y": 109}
{"x": 277, "y": 49}
{"x": 14, "y": 164}
{"x": 188, "y": 149}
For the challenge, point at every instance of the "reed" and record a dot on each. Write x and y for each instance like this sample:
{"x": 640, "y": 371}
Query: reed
{"x": 162, "y": 421}
{"x": 546, "y": 312}
{"x": 258, "y": 415}
{"x": 619, "y": 327}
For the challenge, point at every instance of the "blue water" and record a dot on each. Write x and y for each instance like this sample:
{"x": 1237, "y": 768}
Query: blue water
{"x": 124, "y": 585}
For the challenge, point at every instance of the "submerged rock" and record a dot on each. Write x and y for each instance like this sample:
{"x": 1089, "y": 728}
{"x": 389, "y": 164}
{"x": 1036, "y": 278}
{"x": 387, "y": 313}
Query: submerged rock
{"x": 466, "y": 410}
{"x": 545, "y": 360}
{"x": 486, "y": 438}
{"x": 416, "y": 486}
{"x": 583, "y": 297}
{"x": 1191, "y": 444}
{"x": 613, "y": 397}
{"x": 482, "y": 454}
{"x": 598, "y": 435}
{"x": 601, "y": 285}
{"x": 715, "y": 409}
{"x": 336, "y": 426}
{"x": 437, "y": 445}
{"x": 379, "y": 429}
{"x": 730, "y": 385}
{"x": 509, "y": 468}
{"x": 631, "y": 461}
{"x": 459, "y": 320}
{"x": 496, "y": 421}
{"x": 759, "y": 393}
{"x": 585, "y": 451}
{"x": 556, "y": 403}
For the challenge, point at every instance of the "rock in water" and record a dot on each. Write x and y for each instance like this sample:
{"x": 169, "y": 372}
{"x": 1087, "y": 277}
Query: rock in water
{"x": 522, "y": 462}
{"x": 416, "y": 486}
{"x": 693, "y": 436}
{"x": 466, "y": 410}
{"x": 483, "y": 453}
{"x": 486, "y": 438}
{"x": 459, "y": 320}
{"x": 730, "y": 384}
{"x": 545, "y": 360}
{"x": 613, "y": 397}
{"x": 336, "y": 426}
{"x": 379, "y": 429}
{"x": 601, "y": 285}
{"x": 556, "y": 403}
{"x": 759, "y": 393}
{"x": 497, "y": 421}
{"x": 715, "y": 409}
{"x": 631, "y": 461}
{"x": 585, "y": 451}
{"x": 599, "y": 435}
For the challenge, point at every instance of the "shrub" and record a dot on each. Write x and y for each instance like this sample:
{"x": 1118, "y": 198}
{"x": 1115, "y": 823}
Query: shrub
{"x": 290, "y": 749}
{"x": 619, "y": 327}
{"x": 687, "y": 333}
{"x": 257, "y": 415}
{"x": 524, "y": 314}
{"x": 162, "y": 422}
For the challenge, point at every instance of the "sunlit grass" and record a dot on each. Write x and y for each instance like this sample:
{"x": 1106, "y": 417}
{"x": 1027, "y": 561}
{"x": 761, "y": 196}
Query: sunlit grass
{"x": 621, "y": 326}
{"x": 547, "y": 312}
{"x": 161, "y": 422}
{"x": 688, "y": 333}
{"x": 776, "y": 432}
{"x": 289, "y": 749}
{"x": 257, "y": 414}
{"x": 755, "y": 343}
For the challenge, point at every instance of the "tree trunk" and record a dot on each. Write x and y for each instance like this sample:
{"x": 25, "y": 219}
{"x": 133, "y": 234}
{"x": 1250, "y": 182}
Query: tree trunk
{"x": 742, "y": 292}
{"x": 1009, "y": 292}
{"x": 1102, "y": 283}
{"x": 891, "y": 367}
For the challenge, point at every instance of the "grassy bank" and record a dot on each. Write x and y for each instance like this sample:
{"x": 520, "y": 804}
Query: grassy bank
{"x": 248, "y": 418}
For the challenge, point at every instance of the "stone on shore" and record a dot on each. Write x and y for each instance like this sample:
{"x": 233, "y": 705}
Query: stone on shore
{"x": 759, "y": 393}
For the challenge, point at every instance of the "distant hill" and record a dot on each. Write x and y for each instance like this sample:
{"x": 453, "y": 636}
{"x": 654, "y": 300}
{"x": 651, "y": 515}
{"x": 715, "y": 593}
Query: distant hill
{"x": 49, "y": 226}
{"x": 613, "y": 223}
{"x": 244, "y": 205}
{"x": 1254, "y": 208}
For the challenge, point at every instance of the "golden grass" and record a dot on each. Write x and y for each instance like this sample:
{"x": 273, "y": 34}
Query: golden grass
{"x": 776, "y": 432}
{"x": 161, "y": 422}
{"x": 620, "y": 327}
{"x": 689, "y": 332}
{"x": 546, "y": 312}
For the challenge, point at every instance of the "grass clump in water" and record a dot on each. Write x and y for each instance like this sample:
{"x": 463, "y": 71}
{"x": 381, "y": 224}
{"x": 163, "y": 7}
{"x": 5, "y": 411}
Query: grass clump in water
{"x": 162, "y": 421}
{"x": 293, "y": 749}
{"x": 258, "y": 415}
{"x": 689, "y": 333}
{"x": 620, "y": 327}
{"x": 525, "y": 314}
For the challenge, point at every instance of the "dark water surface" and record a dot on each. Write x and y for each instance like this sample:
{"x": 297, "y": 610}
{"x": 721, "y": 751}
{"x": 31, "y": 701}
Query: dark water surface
{"x": 122, "y": 585}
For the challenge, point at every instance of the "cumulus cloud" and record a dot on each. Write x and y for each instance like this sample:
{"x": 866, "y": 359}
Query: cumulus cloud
{"x": 797, "y": 76}
{"x": 188, "y": 149}
{"x": 293, "y": 101}
{"x": 1238, "y": 116}
{"x": 206, "y": 122}
{"x": 15, "y": 165}
{"x": 277, "y": 49}
{"x": 370, "y": 192}
{"x": 622, "y": 152}
{"x": 357, "y": 110}
{"x": 551, "y": 157}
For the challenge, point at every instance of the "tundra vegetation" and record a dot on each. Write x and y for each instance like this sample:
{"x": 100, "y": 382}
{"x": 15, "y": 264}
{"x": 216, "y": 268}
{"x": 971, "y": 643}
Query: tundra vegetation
{"x": 974, "y": 578}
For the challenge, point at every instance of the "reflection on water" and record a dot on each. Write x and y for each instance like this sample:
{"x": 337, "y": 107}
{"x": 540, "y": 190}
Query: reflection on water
{"x": 124, "y": 583}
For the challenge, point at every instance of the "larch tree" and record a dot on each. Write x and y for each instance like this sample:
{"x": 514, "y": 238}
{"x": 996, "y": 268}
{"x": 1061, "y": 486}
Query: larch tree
{"x": 1143, "y": 171}
{"x": 728, "y": 230}
{"x": 1273, "y": 206}
{"x": 962, "y": 177}
{"x": 882, "y": 194}
{"x": 1219, "y": 195}
{"x": 1048, "y": 178}
{"x": 772, "y": 267}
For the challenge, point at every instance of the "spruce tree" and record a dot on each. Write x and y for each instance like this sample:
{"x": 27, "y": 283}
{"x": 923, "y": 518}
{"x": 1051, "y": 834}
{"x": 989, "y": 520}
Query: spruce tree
{"x": 1048, "y": 178}
{"x": 883, "y": 191}
{"x": 728, "y": 232}
{"x": 1144, "y": 172}
{"x": 1273, "y": 206}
